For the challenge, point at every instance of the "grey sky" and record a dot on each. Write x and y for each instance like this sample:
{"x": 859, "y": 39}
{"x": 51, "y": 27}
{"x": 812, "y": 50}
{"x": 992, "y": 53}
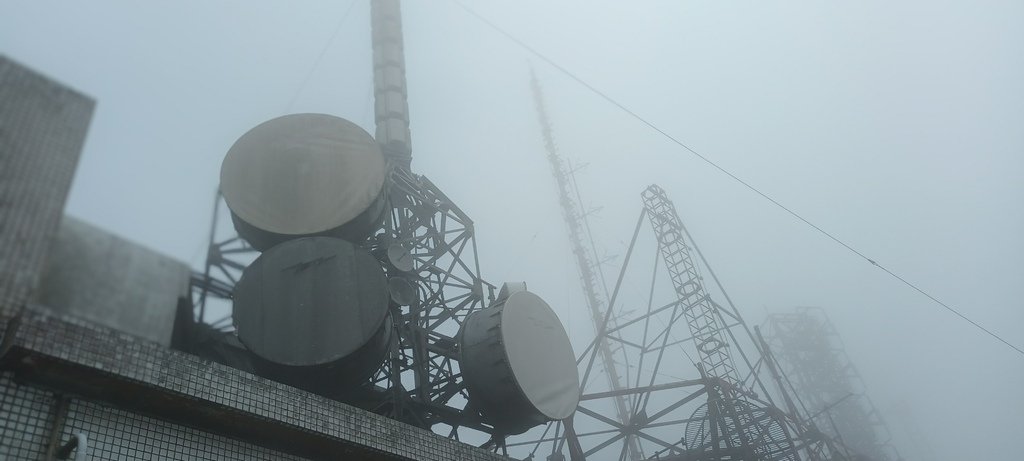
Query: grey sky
{"x": 899, "y": 126}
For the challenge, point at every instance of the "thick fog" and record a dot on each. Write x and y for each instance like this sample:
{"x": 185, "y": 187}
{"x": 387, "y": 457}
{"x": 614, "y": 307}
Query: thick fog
{"x": 897, "y": 126}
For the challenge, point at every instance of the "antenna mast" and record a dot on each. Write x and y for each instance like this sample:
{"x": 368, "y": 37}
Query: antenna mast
{"x": 813, "y": 354}
{"x": 390, "y": 94}
{"x": 586, "y": 262}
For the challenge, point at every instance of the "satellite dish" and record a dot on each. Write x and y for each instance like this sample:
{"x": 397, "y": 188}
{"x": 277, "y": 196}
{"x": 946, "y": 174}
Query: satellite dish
{"x": 400, "y": 257}
{"x": 518, "y": 364}
{"x": 402, "y": 291}
{"x": 314, "y": 312}
{"x": 303, "y": 175}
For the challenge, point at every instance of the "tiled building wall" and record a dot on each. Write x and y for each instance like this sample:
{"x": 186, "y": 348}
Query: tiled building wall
{"x": 27, "y": 419}
{"x": 47, "y": 346}
{"x": 42, "y": 130}
{"x": 116, "y": 434}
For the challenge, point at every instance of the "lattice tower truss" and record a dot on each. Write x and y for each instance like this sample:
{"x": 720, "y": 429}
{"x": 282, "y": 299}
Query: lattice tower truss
{"x": 808, "y": 347}
{"x": 722, "y": 410}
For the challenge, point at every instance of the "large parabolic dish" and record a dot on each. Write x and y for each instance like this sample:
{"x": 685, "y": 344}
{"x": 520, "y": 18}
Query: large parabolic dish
{"x": 518, "y": 363}
{"x": 314, "y": 312}
{"x": 303, "y": 175}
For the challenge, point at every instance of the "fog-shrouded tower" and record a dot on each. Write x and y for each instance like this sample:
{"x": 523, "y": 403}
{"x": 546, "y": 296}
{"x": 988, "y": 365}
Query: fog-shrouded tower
{"x": 391, "y": 105}
{"x": 582, "y": 244}
{"x": 812, "y": 354}
{"x": 315, "y": 198}
{"x": 725, "y": 412}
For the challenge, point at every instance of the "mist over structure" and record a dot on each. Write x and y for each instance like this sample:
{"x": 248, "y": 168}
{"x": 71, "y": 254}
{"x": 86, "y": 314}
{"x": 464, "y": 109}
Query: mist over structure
{"x": 895, "y": 127}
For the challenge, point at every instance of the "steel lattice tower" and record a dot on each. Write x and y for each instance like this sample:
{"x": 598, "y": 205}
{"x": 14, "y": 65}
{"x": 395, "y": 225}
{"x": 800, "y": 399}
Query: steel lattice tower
{"x": 701, "y": 315}
{"x": 810, "y": 350}
{"x": 725, "y": 413}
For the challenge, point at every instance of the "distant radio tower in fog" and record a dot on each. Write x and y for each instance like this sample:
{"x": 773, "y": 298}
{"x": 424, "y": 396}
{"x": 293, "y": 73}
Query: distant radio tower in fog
{"x": 586, "y": 259}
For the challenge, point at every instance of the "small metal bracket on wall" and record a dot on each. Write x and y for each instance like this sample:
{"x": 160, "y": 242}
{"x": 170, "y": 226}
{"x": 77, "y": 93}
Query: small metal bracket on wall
{"x": 79, "y": 444}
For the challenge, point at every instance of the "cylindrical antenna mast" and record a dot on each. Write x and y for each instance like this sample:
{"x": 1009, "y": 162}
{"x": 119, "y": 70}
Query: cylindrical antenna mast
{"x": 391, "y": 107}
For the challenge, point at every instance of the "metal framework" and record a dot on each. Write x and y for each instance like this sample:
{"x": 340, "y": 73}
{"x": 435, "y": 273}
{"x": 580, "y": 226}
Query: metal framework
{"x": 427, "y": 245}
{"x": 121, "y": 397}
{"x": 419, "y": 383}
{"x": 723, "y": 411}
{"x": 809, "y": 349}
{"x": 702, "y": 315}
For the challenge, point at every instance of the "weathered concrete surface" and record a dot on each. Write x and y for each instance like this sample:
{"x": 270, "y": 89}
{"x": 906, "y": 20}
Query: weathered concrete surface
{"x": 99, "y": 276}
